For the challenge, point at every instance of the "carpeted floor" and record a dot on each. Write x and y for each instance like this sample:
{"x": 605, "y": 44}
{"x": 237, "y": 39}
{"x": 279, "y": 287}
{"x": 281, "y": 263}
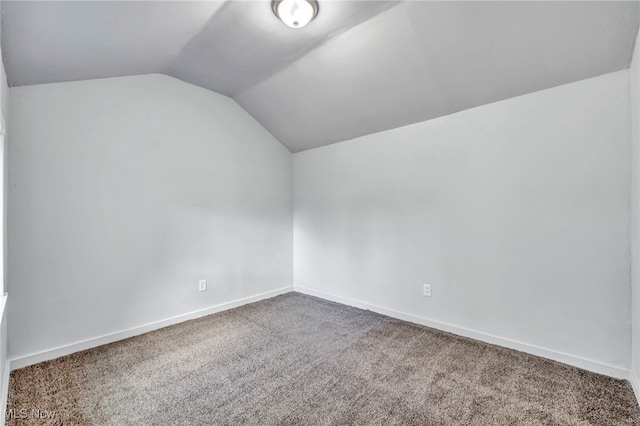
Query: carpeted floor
{"x": 295, "y": 359}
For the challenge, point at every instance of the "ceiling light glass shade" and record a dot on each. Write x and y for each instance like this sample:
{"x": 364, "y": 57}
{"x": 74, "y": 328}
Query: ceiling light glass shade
{"x": 295, "y": 13}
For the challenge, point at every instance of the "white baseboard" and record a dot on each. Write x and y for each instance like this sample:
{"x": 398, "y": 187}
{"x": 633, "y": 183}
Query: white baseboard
{"x": 4, "y": 392}
{"x": 635, "y": 384}
{"x": 26, "y": 360}
{"x": 576, "y": 361}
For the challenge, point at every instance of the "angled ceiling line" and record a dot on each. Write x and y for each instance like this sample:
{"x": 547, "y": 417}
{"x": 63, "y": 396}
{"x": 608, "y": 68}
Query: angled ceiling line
{"x": 319, "y": 43}
{"x": 358, "y": 68}
{"x": 203, "y": 27}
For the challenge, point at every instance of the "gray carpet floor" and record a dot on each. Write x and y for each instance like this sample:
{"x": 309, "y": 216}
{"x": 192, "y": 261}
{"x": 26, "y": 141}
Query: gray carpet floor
{"x": 295, "y": 359}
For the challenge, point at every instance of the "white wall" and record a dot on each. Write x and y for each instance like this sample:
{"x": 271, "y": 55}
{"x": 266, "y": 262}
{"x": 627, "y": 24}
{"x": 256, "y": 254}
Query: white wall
{"x": 4, "y": 121}
{"x": 634, "y": 86}
{"x": 4, "y": 118}
{"x": 125, "y": 192}
{"x": 516, "y": 212}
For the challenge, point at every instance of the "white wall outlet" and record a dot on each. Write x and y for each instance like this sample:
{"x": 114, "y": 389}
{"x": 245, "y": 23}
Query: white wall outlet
{"x": 202, "y": 285}
{"x": 426, "y": 290}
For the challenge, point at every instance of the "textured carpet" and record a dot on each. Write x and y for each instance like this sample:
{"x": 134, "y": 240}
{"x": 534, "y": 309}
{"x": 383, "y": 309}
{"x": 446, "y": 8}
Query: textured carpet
{"x": 295, "y": 359}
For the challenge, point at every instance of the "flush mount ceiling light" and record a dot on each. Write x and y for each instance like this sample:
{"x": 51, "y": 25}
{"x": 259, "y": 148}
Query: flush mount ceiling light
{"x": 295, "y": 13}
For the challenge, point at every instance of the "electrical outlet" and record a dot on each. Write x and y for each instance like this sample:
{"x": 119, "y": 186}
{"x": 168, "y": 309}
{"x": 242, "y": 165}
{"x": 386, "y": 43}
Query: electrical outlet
{"x": 426, "y": 290}
{"x": 202, "y": 285}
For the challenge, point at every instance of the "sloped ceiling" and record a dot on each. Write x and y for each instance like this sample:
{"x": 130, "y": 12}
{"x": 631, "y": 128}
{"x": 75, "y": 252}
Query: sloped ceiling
{"x": 359, "y": 68}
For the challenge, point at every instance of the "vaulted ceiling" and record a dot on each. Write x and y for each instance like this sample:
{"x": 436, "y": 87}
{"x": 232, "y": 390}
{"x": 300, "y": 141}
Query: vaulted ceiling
{"x": 358, "y": 68}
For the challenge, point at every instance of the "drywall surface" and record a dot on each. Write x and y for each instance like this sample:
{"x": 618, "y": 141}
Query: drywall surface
{"x": 634, "y": 89}
{"x": 517, "y": 214}
{"x": 4, "y": 120}
{"x": 4, "y": 338}
{"x": 124, "y": 193}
